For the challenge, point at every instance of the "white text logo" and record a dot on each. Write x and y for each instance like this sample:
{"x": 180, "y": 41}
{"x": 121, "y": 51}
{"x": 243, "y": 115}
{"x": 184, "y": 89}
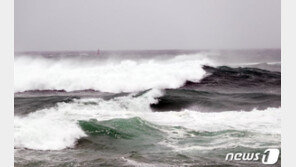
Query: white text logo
{"x": 270, "y": 156}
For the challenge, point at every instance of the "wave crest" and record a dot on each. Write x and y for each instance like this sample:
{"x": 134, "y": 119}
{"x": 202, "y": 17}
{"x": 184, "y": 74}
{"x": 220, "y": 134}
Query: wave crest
{"x": 58, "y": 127}
{"x": 41, "y": 73}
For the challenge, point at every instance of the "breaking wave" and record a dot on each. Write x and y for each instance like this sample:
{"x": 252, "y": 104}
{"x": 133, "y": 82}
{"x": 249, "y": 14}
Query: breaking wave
{"x": 65, "y": 124}
{"x": 128, "y": 75}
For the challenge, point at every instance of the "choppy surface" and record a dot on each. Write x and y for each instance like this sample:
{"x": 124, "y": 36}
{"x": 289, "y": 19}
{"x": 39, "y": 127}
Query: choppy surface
{"x": 181, "y": 109}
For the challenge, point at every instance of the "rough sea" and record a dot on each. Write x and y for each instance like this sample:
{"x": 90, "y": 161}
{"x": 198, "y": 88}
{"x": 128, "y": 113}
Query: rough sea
{"x": 145, "y": 108}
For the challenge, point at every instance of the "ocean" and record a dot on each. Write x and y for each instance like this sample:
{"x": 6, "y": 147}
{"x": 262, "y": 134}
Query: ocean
{"x": 146, "y": 108}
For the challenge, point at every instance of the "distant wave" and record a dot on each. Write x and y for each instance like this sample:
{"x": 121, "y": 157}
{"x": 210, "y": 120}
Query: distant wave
{"x": 271, "y": 66}
{"x": 180, "y": 99}
{"x": 129, "y": 75}
{"x": 70, "y": 74}
{"x": 227, "y": 79}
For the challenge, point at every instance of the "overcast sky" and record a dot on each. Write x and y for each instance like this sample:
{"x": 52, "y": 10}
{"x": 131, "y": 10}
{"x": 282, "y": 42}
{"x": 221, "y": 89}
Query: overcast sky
{"x": 146, "y": 24}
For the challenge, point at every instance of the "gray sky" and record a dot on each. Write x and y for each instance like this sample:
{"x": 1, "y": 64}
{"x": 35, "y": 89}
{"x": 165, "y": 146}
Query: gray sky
{"x": 146, "y": 24}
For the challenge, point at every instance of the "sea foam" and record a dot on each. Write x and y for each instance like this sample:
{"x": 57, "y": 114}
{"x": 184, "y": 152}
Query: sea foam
{"x": 40, "y": 73}
{"x": 57, "y": 127}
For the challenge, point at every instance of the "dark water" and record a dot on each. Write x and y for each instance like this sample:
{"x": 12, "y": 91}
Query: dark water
{"x": 234, "y": 107}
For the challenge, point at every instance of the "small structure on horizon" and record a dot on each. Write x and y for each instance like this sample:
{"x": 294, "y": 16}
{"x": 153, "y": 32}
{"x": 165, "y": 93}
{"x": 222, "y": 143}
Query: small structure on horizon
{"x": 98, "y": 52}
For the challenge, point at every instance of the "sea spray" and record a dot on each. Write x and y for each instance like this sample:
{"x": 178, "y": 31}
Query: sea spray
{"x": 39, "y": 73}
{"x": 57, "y": 127}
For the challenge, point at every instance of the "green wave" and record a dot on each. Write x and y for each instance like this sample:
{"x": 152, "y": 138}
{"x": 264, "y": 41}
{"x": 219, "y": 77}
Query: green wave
{"x": 136, "y": 134}
{"x": 119, "y": 128}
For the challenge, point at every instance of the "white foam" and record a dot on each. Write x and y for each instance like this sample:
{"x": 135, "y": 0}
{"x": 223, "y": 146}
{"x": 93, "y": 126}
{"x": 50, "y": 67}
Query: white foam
{"x": 56, "y": 128}
{"x": 141, "y": 164}
{"x": 46, "y": 130}
{"x": 39, "y": 73}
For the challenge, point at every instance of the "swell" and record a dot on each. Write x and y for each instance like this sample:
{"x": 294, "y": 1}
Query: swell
{"x": 222, "y": 89}
{"x": 93, "y": 127}
{"x": 134, "y": 134}
{"x": 58, "y": 127}
{"x": 225, "y": 89}
{"x": 119, "y": 128}
{"x": 142, "y": 141}
{"x": 180, "y": 99}
{"x": 26, "y": 105}
{"x": 227, "y": 79}
{"x": 170, "y": 100}
{"x": 217, "y": 79}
